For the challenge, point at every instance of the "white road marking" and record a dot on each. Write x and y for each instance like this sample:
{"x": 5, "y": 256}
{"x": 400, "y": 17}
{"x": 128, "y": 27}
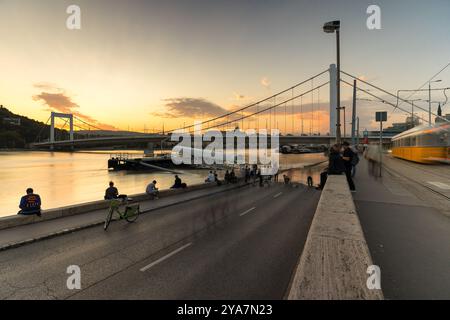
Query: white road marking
{"x": 165, "y": 257}
{"x": 440, "y": 185}
{"x": 277, "y": 195}
{"x": 249, "y": 210}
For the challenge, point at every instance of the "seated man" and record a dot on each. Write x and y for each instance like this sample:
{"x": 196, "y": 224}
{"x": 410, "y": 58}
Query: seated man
{"x": 112, "y": 192}
{"x": 211, "y": 177}
{"x": 178, "y": 184}
{"x": 152, "y": 190}
{"x": 30, "y": 204}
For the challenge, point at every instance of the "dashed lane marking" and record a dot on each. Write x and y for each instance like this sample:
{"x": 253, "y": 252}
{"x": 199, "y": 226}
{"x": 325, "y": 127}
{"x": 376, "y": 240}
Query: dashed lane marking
{"x": 440, "y": 185}
{"x": 248, "y": 211}
{"x": 277, "y": 195}
{"x": 167, "y": 256}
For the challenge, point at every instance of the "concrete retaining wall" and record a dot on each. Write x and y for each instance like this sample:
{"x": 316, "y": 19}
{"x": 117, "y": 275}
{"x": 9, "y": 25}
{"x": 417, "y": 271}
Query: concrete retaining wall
{"x": 335, "y": 258}
{"x": 17, "y": 220}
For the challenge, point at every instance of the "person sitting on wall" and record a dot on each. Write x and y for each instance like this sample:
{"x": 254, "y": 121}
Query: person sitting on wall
{"x": 336, "y": 166}
{"x": 178, "y": 184}
{"x": 152, "y": 190}
{"x": 112, "y": 192}
{"x": 211, "y": 177}
{"x": 30, "y": 204}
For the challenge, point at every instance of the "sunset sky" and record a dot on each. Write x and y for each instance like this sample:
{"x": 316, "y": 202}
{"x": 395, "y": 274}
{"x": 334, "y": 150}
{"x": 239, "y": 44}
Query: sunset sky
{"x": 137, "y": 64}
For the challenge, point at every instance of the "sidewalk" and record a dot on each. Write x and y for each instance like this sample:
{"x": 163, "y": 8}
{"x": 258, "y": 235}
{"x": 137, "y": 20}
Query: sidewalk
{"x": 20, "y": 235}
{"x": 406, "y": 230}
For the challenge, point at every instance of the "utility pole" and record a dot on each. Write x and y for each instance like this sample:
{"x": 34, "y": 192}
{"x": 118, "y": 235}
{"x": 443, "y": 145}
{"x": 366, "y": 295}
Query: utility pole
{"x": 380, "y": 117}
{"x": 429, "y": 100}
{"x": 338, "y": 47}
{"x": 357, "y": 131}
{"x": 354, "y": 113}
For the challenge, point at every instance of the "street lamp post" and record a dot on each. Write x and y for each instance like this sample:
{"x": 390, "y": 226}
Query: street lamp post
{"x": 345, "y": 131}
{"x": 331, "y": 27}
{"x": 412, "y": 110}
{"x": 429, "y": 100}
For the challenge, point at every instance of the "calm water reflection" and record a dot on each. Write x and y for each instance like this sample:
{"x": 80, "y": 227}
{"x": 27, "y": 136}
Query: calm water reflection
{"x": 70, "y": 178}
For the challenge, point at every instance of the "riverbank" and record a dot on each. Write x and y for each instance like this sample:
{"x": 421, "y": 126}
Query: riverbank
{"x": 65, "y": 179}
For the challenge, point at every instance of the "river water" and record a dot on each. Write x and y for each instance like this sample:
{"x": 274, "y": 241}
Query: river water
{"x": 63, "y": 178}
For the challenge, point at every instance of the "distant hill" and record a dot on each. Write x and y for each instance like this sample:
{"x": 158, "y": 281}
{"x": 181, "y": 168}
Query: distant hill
{"x": 17, "y": 131}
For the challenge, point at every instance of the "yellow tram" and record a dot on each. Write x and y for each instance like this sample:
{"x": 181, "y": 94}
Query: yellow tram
{"x": 424, "y": 144}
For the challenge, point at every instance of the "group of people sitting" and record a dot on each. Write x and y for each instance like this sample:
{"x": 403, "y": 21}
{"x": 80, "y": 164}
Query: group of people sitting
{"x": 212, "y": 177}
{"x": 342, "y": 159}
{"x": 151, "y": 189}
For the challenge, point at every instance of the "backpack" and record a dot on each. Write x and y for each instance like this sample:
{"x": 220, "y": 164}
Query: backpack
{"x": 355, "y": 159}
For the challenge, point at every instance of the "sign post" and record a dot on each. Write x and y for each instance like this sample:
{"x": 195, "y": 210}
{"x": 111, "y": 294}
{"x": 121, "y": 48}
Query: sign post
{"x": 381, "y": 117}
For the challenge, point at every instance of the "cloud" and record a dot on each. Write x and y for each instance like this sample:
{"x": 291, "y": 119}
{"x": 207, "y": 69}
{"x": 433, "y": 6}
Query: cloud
{"x": 59, "y": 101}
{"x": 265, "y": 82}
{"x": 190, "y": 108}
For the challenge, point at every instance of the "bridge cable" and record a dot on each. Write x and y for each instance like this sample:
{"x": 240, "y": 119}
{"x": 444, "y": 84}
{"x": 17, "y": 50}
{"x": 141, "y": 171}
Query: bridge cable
{"x": 380, "y": 99}
{"x": 277, "y": 105}
{"x": 395, "y": 96}
{"x": 42, "y": 128}
{"x": 255, "y": 103}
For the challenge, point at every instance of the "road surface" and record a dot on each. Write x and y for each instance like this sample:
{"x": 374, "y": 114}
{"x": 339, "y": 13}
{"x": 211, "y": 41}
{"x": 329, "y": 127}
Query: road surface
{"x": 243, "y": 244}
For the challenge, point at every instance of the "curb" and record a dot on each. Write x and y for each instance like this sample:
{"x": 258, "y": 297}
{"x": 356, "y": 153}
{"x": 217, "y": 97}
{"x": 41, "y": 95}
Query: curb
{"x": 94, "y": 224}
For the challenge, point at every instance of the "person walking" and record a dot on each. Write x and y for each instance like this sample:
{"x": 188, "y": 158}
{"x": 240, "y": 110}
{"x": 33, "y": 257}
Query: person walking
{"x": 348, "y": 157}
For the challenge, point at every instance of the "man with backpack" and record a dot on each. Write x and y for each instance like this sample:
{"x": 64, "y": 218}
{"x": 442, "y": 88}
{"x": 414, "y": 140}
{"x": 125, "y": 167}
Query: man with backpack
{"x": 348, "y": 157}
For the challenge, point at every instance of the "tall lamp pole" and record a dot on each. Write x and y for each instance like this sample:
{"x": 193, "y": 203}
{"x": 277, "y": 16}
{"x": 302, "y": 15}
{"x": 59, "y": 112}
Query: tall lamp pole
{"x": 331, "y": 27}
{"x": 429, "y": 100}
{"x": 412, "y": 110}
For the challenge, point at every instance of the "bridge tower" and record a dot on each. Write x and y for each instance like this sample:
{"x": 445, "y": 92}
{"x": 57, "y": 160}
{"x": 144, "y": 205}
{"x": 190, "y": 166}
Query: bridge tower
{"x": 52, "y": 126}
{"x": 333, "y": 100}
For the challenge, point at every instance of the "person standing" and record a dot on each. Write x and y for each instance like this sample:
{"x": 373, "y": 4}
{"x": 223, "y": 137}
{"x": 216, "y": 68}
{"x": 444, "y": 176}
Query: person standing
{"x": 348, "y": 157}
{"x": 247, "y": 174}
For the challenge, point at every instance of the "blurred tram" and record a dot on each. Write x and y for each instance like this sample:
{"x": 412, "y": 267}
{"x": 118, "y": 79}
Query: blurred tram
{"x": 424, "y": 144}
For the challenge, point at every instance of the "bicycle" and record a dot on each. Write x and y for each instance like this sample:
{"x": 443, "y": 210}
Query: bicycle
{"x": 130, "y": 213}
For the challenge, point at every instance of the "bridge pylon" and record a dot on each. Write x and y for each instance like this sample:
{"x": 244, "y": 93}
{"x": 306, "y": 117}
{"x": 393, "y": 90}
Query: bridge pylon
{"x": 52, "y": 126}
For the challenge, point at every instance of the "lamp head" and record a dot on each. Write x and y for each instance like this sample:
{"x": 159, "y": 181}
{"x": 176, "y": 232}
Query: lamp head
{"x": 332, "y": 26}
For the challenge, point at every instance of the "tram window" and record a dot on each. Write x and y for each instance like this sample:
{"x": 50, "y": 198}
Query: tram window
{"x": 419, "y": 141}
{"x": 413, "y": 141}
{"x": 428, "y": 140}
